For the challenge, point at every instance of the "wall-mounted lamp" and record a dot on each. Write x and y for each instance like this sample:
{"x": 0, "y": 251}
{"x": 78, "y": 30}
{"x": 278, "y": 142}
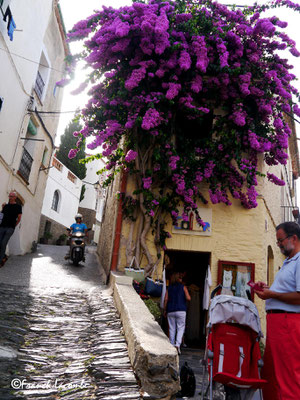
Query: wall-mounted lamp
{"x": 96, "y": 184}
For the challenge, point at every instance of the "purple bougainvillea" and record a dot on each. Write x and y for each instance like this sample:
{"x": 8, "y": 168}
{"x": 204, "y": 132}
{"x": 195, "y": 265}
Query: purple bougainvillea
{"x": 188, "y": 93}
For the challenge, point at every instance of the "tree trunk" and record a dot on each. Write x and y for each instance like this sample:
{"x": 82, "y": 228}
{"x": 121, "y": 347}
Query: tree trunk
{"x": 129, "y": 244}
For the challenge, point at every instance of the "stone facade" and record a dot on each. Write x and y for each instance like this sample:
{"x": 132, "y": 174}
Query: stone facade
{"x": 89, "y": 218}
{"x": 108, "y": 226}
{"x": 56, "y": 229}
{"x": 154, "y": 359}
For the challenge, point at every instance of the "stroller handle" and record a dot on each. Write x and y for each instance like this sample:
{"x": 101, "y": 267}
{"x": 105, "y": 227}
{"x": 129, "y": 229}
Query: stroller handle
{"x": 214, "y": 292}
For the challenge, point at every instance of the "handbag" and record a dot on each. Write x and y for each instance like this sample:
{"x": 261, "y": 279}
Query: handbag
{"x": 153, "y": 288}
{"x": 135, "y": 273}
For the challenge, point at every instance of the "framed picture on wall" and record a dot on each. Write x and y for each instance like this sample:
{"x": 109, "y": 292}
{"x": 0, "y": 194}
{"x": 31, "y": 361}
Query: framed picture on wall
{"x": 234, "y": 276}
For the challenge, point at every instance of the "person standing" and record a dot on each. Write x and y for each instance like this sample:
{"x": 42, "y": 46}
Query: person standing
{"x": 282, "y": 354}
{"x": 12, "y": 213}
{"x": 175, "y": 306}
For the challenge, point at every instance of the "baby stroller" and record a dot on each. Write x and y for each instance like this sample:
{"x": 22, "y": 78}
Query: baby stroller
{"x": 232, "y": 352}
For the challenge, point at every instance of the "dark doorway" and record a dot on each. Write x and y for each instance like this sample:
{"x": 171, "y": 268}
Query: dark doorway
{"x": 47, "y": 227}
{"x": 193, "y": 265}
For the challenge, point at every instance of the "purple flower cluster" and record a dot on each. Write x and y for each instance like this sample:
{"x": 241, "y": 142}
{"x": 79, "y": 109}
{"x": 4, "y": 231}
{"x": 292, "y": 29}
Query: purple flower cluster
{"x": 151, "y": 119}
{"x": 273, "y": 178}
{"x": 147, "y": 182}
{"x": 162, "y": 73}
{"x": 131, "y": 156}
{"x": 72, "y": 153}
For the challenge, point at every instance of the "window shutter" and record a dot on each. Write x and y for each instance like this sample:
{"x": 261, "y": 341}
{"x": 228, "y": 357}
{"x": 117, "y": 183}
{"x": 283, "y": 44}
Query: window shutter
{"x": 32, "y": 129}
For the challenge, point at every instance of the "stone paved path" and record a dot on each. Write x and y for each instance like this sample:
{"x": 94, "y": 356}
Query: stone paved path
{"x": 193, "y": 357}
{"x": 61, "y": 342}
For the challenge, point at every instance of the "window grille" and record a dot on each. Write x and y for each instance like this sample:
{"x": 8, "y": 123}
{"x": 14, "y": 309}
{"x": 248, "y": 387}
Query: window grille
{"x": 25, "y": 165}
{"x": 39, "y": 85}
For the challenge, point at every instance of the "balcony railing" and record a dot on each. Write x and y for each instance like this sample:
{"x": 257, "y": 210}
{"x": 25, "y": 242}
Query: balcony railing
{"x": 25, "y": 165}
{"x": 71, "y": 177}
{"x": 39, "y": 85}
{"x": 290, "y": 213}
{"x": 58, "y": 165}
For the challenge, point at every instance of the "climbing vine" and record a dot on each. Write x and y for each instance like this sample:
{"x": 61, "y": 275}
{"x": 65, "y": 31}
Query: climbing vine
{"x": 186, "y": 94}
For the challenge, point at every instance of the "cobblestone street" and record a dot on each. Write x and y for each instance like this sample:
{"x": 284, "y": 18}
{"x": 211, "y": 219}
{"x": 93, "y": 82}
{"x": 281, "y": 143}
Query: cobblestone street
{"x": 60, "y": 335}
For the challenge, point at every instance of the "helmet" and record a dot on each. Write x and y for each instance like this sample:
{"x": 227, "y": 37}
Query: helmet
{"x": 78, "y": 216}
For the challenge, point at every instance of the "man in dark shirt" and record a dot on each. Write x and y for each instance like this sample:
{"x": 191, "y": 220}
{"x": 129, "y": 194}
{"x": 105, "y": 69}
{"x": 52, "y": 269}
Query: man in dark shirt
{"x": 12, "y": 213}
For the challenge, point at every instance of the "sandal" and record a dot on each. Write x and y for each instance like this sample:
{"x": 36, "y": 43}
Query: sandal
{"x": 4, "y": 259}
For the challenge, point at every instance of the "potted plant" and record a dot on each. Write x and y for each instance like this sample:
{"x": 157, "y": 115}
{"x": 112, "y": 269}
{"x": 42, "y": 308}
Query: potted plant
{"x": 47, "y": 236}
{"x": 61, "y": 240}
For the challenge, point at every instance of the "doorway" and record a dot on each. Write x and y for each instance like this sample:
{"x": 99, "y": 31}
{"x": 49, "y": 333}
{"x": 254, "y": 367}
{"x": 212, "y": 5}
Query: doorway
{"x": 193, "y": 266}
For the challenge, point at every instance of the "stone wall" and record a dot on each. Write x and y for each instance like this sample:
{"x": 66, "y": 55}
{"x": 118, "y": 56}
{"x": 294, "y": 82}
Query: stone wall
{"x": 56, "y": 229}
{"x": 107, "y": 233}
{"x": 153, "y": 358}
{"x": 89, "y": 218}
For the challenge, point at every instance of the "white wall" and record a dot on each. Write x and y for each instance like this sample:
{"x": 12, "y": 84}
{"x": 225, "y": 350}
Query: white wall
{"x": 91, "y": 194}
{"x": 69, "y": 196}
{"x": 37, "y": 31}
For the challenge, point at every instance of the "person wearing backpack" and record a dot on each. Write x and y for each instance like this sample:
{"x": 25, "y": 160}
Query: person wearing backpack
{"x": 175, "y": 306}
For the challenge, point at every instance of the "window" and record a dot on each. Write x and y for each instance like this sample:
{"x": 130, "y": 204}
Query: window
{"x": 39, "y": 85}
{"x": 42, "y": 76}
{"x": 25, "y": 165}
{"x": 234, "y": 278}
{"x": 28, "y": 151}
{"x": 55, "y": 201}
{"x": 45, "y": 156}
{"x": 194, "y": 132}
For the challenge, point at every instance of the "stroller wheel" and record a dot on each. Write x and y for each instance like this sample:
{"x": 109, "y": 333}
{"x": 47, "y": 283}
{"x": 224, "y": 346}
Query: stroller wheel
{"x": 232, "y": 394}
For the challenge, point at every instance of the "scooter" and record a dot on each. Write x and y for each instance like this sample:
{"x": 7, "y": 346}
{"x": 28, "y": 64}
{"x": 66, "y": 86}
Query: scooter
{"x": 77, "y": 246}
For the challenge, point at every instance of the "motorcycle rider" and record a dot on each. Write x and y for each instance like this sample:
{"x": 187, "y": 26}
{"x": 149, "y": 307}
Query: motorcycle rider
{"x": 78, "y": 226}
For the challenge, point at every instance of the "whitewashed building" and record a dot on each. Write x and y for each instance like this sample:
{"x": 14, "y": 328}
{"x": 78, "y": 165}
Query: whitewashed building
{"x": 33, "y": 50}
{"x": 60, "y": 203}
{"x": 92, "y": 205}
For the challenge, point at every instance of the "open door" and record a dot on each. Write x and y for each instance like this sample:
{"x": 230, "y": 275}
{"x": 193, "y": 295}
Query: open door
{"x": 193, "y": 266}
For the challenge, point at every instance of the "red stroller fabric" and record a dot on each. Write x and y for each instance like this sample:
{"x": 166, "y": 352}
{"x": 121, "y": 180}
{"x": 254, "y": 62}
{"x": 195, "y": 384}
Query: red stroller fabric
{"x": 236, "y": 354}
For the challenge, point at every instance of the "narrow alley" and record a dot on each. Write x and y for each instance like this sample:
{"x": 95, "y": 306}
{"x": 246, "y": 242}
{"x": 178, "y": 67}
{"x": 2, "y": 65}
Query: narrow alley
{"x": 60, "y": 335}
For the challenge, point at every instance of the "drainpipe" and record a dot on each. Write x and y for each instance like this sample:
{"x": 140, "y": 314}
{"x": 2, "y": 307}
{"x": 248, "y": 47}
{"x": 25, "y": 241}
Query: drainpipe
{"x": 116, "y": 247}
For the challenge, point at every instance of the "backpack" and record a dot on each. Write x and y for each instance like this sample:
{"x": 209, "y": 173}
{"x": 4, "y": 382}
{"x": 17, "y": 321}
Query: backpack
{"x": 187, "y": 381}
